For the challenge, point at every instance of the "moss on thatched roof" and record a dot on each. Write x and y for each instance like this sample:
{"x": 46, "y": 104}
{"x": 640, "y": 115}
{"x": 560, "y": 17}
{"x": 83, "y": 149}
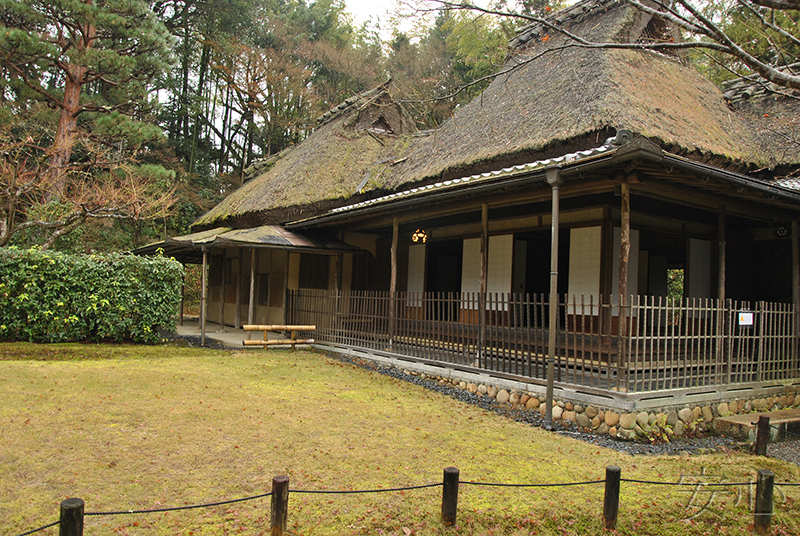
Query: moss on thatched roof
{"x": 575, "y": 94}
{"x": 557, "y": 99}
{"x": 772, "y": 114}
{"x": 344, "y": 156}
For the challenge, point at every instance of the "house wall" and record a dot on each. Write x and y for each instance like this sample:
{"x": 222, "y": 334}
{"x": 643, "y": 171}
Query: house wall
{"x": 500, "y": 268}
{"x": 698, "y": 270}
{"x": 416, "y": 268}
{"x": 584, "y": 262}
{"x": 270, "y": 271}
{"x": 633, "y": 264}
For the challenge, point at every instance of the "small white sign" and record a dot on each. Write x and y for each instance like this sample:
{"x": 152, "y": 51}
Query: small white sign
{"x": 745, "y": 318}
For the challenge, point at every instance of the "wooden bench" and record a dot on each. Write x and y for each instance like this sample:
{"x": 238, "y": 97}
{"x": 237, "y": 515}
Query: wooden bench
{"x": 266, "y": 343}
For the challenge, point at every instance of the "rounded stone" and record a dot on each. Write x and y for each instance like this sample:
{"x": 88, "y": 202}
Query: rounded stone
{"x": 523, "y": 400}
{"x": 612, "y": 431}
{"x": 697, "y": 413}
{"x": 770, "y": 402}
{"x": 685, "y": 415}
{"x": 612, "y": 419}
{"x": 790, "y": 399}
{"x": 653, "y": 418}
{"x": 601, "y": 415}
{"x": 596, "y": 423}
{"x": 627, "y": 421}
{"x": 626, "y": 435}
{"x": 482, "y": 389}
{"x": 503, "y": 396}
{"x": 582, "y": 420}
{"x": 532, "y": 404}
{"x": 723, "y": 409}
{"x": 462, "y": 385}
{"x": 748, "y": 406}
{"x": 491, "y": 392}
{"x": 672, "y": 417}
{"x": 782, "y": 400}
{"x": 602, "y": 429}
{"x": 678, "y": 428}
{"x": 472, "y": 388}
{"x": 514, "y": 398}
{"x": 592, "y": 412}
{"x": 579, "y": 409}
{"x": 569, "y": 407}
{"x": 569, "y": 415}
{"x": 641, "y": 418}
{"x": 561, "y": 404}
{"x": 557, "y": 411}
{"x": 708, "y": 416}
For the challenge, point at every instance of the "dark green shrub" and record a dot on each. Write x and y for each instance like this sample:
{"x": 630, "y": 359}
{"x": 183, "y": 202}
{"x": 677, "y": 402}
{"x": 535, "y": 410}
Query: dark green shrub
{"x": 47, "y": 296}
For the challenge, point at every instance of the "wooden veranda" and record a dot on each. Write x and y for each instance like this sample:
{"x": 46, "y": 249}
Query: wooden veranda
{"x": 665, "y": 345}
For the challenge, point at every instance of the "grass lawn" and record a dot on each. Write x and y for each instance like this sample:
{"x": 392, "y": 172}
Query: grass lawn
{"x": 144, "y": 427}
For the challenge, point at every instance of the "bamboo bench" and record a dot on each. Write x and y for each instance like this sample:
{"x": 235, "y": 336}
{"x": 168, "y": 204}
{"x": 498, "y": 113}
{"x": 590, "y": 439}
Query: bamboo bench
{"x": 267, "y": 329}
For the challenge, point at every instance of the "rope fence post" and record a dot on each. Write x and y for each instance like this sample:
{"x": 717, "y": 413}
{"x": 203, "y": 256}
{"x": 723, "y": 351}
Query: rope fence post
{"x": 450, "y": 496}
{"x": 611, "y": 500}
{"x": 762, "y": 435}
{"x": 280, "y": 505}
{"x": 70, "y": 522}
{"x": 763, "y": 514}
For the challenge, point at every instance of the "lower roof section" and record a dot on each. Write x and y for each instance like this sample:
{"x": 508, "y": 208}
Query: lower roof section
{"x": 189, "y": 248}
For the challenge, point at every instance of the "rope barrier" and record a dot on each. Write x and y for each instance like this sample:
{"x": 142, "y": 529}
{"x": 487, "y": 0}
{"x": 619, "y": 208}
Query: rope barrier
{"x": 355, "y": 491}
{"x": 554, "y": 485}
{"x": 177, "y": 508}
{"x": 410, "y": 488}
{"x": 784, "y": 431}
{"x": 704, "y": 484}
{"x": 39, "y": 529}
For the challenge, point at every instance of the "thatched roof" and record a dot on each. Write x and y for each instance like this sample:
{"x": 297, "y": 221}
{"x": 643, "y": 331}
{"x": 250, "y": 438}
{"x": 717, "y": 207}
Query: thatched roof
{"x": 574, "y": 97}
{"x": 551, "y": 103}
{"x": 349, "y": 152}
{"x": 773, "y": 116}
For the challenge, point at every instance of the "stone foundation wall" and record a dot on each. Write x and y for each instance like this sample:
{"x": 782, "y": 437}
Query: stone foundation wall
{"x": 666, "y": 423}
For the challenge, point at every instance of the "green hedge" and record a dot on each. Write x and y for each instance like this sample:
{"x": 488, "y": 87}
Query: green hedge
{"x": 53, "y": 297}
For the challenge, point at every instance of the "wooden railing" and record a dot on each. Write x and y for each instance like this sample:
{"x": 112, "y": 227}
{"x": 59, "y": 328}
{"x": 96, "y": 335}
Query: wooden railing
{"x": 666, "y": 344}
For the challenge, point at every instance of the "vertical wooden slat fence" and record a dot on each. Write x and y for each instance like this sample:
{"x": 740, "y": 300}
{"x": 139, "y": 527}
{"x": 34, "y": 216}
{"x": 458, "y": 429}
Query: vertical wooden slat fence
{"x": 670, "y": 344}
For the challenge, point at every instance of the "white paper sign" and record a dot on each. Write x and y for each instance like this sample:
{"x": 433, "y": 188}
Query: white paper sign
{"x": 745, "y": 318}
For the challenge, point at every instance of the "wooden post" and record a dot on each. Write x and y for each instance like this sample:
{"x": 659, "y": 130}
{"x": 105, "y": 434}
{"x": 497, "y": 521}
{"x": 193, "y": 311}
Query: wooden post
{"x": 238, "y": 321}
{"x": 223, "y": 273}
{"x": 251, "y": 304}
{"x": 624, "y": 260}
{"x": 484, "y": 283}
{"x": 183, "y": 294}
{"x": 721, "y": 241}
{"x": 796, "y": 283}
{"x": 204, "y": 297}
{"x": 762, "y": 435}
{"x": 280, "y": 505}
{"x": 554, "y": 180}
{"x": 393, "y": 281}
{"x": 70, "y": 522}
{"x": 450, "y": 496}
{"x": 611, "y": 500}
{"x": 763, "y": 513}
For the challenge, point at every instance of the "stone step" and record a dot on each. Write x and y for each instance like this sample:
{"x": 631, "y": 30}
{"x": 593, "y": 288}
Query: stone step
{"x": 784, "y": 425}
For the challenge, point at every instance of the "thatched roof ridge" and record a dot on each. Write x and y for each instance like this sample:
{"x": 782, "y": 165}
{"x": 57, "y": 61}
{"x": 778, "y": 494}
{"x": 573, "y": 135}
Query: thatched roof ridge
{"x": 772, "y": 114}
{"x": 342, "y": 158}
